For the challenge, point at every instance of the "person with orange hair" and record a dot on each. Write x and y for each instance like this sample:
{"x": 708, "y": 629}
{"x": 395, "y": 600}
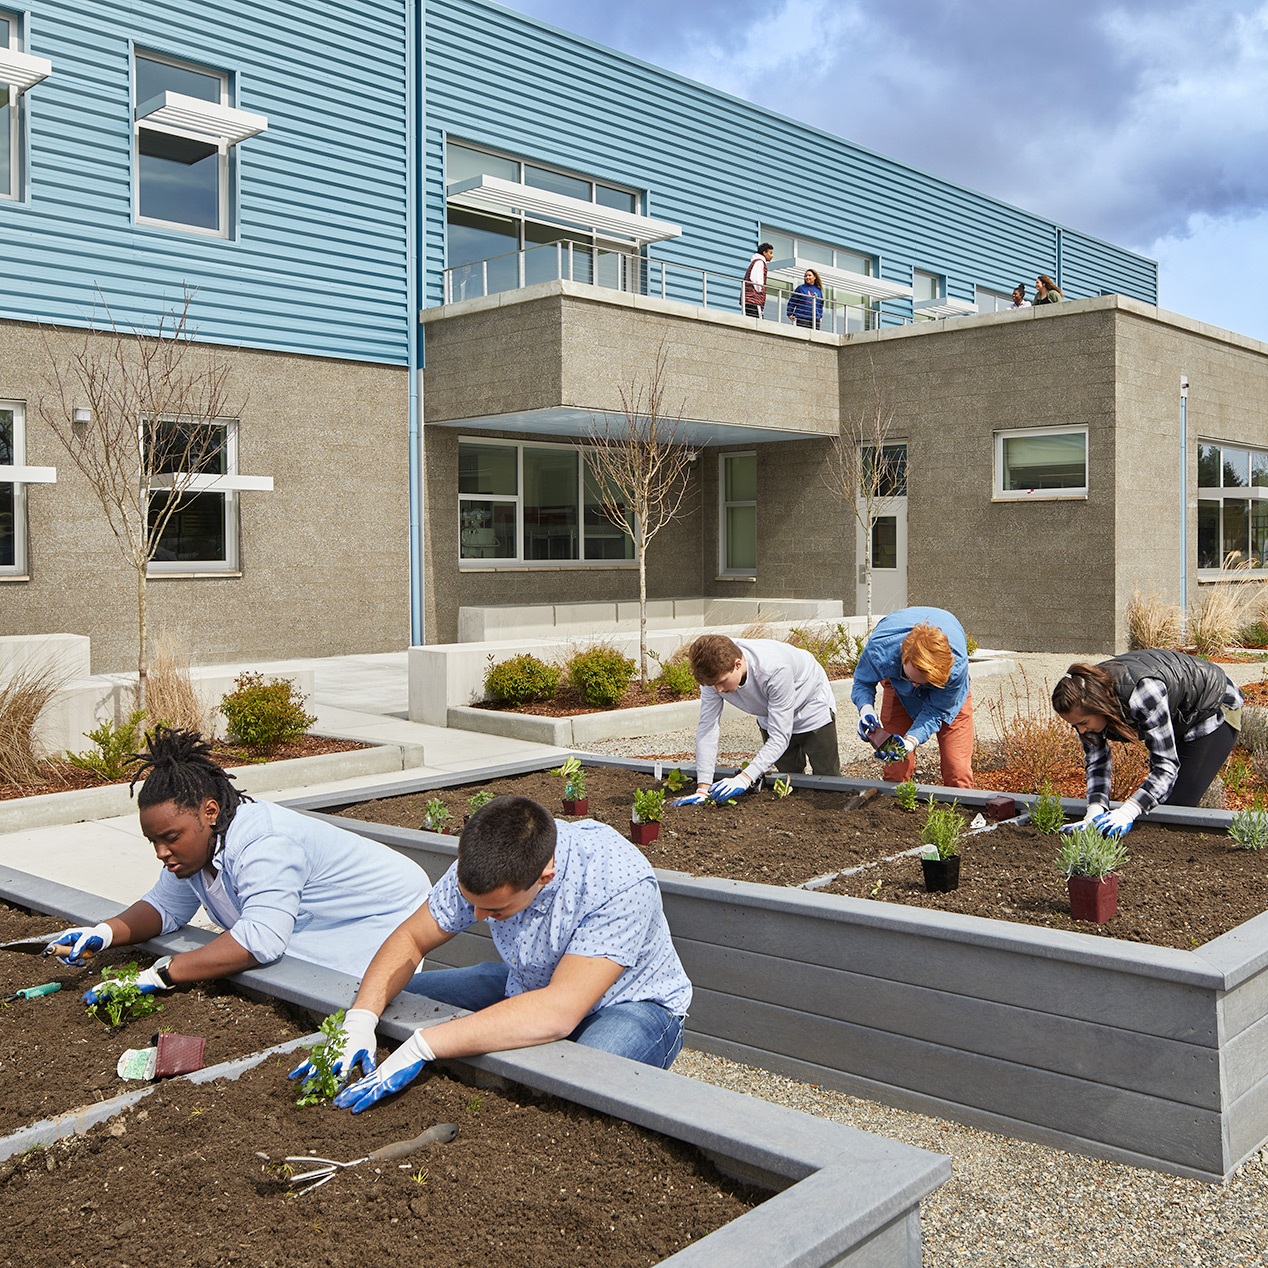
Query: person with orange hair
{"x": 919, "y": 657}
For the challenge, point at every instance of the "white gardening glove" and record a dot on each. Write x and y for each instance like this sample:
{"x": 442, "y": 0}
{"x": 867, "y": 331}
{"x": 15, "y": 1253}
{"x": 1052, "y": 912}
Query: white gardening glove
{"x": 400, "y": 1069}
{"x": 1094, "y": 811}
{"x": 360, "y": 1046}
{"x": 81, "y": 942}
{"x": 1118, "y": 823}
{"x": 868, "y": 722}
{"x": 727, "y": 789}
{"x": 898, "y": 749}
{"x": 691, "y": 799}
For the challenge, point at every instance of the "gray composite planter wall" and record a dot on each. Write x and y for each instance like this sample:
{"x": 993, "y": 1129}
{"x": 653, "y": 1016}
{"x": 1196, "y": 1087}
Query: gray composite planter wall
{"x": 842, "y": 1198}
{"x": 1146, "y": 1055}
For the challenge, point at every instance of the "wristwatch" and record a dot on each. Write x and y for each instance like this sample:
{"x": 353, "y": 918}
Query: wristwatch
{"x": 162, "y": 971}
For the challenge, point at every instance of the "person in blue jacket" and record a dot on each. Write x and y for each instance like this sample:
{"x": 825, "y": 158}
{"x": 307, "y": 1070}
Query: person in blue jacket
{"x": 805, "y": 304}
{"x": 919, "y": 657}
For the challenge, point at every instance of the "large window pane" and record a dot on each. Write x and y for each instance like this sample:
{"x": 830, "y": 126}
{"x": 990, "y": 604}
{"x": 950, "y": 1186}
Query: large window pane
{"x": 544, "y": 261}
{"x": 195, "y": 533}
{"x": 481, "y": 251}
{"x": 621, "y": 199}
{"x": 1236, "y": 469}
{"x": 550, "y": 504}
{"x": 1208, "y": 534}
{"x": 189, "y": 449}
{"x": 7, "y": 447}
{"x": 1259, "y": 535}
{"x": 1236, "y": 532}
{"x": 885, "y": 542}
{"x": 8, "y": 527}
{"x": 463, "y": 164}
{"x": 1050, "y": 461}
{"x": 487, "y": 529}
{"x": 891, "y": 478}
{"x": 557, "y": 182}
{"x": 488, "y": 469}
{"x": 604, "y": 539}
{"x": 1209, "y": 466}
{"x": 741, "y": 478}
{"x": 741, "y": 538}
{"x": 1258, "y": 469}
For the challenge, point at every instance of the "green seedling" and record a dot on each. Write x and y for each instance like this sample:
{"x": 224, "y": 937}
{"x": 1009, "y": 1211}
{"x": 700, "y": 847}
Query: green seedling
{"x": 1046, "y": 815}
{"x": 473, "y": 1104}
{"x": 906, "y": 795}
{"x": 1085, "y": 852}
{"x": 649, "y": 805}
{"x": 676, "y": 781}
{"x": 119, "y": 998}
{"x": 323, "y": 1083}
{"x": 574, "y": 779}
{"x": 944, "y": 826}
{"x": 1249, "y": 829}
{"x": 782, "y": 787}
{"x": 478, "y": 799}
{"x": 421, "y": 1176}
{"x": 876, "y": 889}
{"x": 436, "y": 816}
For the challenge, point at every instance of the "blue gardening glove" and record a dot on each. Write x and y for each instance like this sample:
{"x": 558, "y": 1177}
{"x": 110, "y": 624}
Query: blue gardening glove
{"x": 360, "y": 1047}
{"x": 726, "y": 789}
{"x": 1117, "y": 823}
{"x": 897, "y": 749}
{"x": 399, "y": 1070}
{"x": 692, "y": 799}
{"x": 82, "y": 942}
{"x": 1094, "y": 811}
{"x": 148, "y": 982}
{"x": 868, "y": 722}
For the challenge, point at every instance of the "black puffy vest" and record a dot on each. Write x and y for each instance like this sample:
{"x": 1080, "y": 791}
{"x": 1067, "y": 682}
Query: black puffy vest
{"x": 1195, "y": 687}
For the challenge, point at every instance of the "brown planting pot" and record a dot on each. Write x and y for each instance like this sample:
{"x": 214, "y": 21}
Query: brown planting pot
{"x": 1093, "y": 899}
{"x": 579, "y": 807}
{"x": 644, "y": 833}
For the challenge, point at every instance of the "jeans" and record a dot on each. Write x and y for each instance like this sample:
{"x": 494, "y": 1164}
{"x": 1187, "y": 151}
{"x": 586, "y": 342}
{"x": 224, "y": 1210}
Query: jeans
{"x": 642, "y": 1030}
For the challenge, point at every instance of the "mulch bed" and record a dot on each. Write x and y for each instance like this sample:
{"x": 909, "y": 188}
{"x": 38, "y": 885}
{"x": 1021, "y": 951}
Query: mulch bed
{"x": 1179, "y": 889}
{"x": 61, "y": 776}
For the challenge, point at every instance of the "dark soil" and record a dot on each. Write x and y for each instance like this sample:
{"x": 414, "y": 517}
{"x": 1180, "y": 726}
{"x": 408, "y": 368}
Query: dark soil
{"x": 61, "y": 776}
{"x": 1179, "y": 889}
{"x": 54, "y": 1056}
{"x": 529, "y": 1180}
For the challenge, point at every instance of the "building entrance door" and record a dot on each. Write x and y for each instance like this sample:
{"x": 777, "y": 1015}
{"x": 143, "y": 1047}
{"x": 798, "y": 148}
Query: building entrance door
{"x": 889, "y": 558}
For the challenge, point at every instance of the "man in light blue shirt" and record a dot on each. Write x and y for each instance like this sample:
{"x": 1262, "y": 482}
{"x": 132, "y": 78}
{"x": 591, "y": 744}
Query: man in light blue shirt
{"x": 575, "y": 913}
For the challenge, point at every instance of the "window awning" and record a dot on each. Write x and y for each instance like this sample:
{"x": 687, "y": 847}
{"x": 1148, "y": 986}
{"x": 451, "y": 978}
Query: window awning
{"x": 21, "y": 70}
{"x": 28, "y": 475}
{"x": 494, "y": 193}
{"x": 203, "y": 120}
{"x": 214, "y": 483}
{"x": 944, "y": 307}
{"x": 840, "y": 279}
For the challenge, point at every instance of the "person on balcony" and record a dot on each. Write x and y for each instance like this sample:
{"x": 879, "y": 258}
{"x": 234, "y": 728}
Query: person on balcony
{"x": 755, "y": 280}
{"x": 1187, "y": 711}
{"x": 788, "y": 692}
{"x": 919, "y": 657}
{"x": 1047, "y": 291}
{"x": 1019, "y": 297}
{"x": 277, "y": 881}
{"x": 805, "y": 304}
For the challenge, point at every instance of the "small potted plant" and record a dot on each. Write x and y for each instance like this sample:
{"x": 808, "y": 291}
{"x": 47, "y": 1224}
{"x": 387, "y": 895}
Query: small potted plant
{"x": 1090, "y": 863}
{"x": 649, "y": 806}
{"x": 944, "y": 826}
{"x": 575, "y": 800}
{"x": 436, "y": 817}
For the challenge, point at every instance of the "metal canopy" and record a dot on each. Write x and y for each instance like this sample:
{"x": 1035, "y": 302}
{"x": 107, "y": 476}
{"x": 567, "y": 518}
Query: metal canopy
{"x": 22, "y": 71}
{"x": 180, "y": 115}
{"x": 944, "y": 307}
{"x": 493, "y": 193}
{"x": 794, "y": 270}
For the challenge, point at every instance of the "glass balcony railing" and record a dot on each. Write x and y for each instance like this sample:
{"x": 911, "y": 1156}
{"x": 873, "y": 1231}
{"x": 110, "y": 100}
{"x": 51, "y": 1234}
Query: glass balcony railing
{"x": 663, "y": 279}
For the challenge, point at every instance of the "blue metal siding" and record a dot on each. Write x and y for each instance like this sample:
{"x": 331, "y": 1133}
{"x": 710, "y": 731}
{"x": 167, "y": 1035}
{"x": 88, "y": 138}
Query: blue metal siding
{"x": 720, "y": 166}
{"x": 316, "y": 260}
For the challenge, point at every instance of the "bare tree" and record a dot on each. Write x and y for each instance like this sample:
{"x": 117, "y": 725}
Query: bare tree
{"x": 641, "y": 468}
{"x": 863, "y": 469}
{"x": 154, "y": 401}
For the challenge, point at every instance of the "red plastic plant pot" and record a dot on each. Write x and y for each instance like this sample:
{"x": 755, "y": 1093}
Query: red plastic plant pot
{"x": 577, "y": 807}
{"x": 999, "y": 807}
{"x": 1092, "y": 899}
{"x": 644, "y": 833}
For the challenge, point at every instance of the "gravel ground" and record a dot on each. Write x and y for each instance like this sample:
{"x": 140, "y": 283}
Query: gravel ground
{"x": 1010, "y": 1203}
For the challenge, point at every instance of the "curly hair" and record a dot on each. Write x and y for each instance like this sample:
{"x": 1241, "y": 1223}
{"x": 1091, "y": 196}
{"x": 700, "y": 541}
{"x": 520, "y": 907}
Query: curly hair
{"x": 177, "y": 766}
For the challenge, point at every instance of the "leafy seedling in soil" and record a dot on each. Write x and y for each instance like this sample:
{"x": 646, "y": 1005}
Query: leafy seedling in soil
{"x": 478, "y": 799}
{"x": 436, "y": 816}
{"x": 119, "y": 998}
{"x": 906, "y": 795}
{"x": 1249, "y": 828}
{"x": 676, "y": 781}
{"x": 782, "y": 787}
{"x": 323, "y": 1083}
{"x": 574, "y": 779}
{"x": 1046, "y": 815}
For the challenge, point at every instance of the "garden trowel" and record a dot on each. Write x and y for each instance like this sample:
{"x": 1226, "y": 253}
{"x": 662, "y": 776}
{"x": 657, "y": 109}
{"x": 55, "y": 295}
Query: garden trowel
{"x": 31, "y": 946}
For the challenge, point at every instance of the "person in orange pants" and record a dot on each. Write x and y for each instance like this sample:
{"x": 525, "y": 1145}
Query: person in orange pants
{"x": 919, "y": 657}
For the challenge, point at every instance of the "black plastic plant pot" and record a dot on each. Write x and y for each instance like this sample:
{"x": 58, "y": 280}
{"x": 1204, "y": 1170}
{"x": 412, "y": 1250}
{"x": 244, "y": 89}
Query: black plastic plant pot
{"x": 941, "y": 875}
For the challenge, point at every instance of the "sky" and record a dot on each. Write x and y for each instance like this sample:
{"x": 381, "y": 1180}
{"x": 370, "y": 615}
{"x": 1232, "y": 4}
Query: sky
{"x": 1143, "y": 123}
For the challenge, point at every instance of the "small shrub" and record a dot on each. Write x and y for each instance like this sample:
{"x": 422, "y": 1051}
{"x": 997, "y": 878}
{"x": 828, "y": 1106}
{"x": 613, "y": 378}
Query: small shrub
{"x": 1046, "y": 815}
{"x": 23, "y": 700}
{"x": 1254, "y": 635}
{"x": 1213, "y": 622}
{"x": 261, "y": 715}
{"x": 944, "y": 826}
{"x": 1238, "y": 771}
{"x": 1085, "y": 852}
{"x": 521, "y": 680}
{"x": 1249, "y": 829}
{"x": 436, "y": 816}
{"x": 676, "y": 680}
{"x": 1153, "y": 622}
{"x": 115, "y": 750}
{"x": 323, "y": 1083}
{"x": 1253, "y": 736}
{"x": 835, "y": 648}
{"x": 574, "y": 777}
{"x": 649, "y": 805}
{"x": 906, "y": 795}
{"x": 971, "y": 644}
{"x": 120, "y": 998}
{"x": 478, "y": 799}
{"x": 170, "y": 695}
{"x": 601, "y": 675}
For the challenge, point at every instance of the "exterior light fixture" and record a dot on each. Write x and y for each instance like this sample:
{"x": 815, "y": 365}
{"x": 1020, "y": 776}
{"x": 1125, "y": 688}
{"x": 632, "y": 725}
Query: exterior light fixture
{"x": 81, "y": 416}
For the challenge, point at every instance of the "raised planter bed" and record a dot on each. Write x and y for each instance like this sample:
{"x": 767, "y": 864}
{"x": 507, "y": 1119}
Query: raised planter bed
{"x": 1148, "y": 1055}
{"x": 841, "y": 1197}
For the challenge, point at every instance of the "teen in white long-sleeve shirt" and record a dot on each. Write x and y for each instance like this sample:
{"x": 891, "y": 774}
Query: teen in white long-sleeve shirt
{"x": 785, "y": 688}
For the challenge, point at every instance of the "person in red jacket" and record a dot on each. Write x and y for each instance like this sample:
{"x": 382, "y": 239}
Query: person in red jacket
{"x": 755, "y": 280}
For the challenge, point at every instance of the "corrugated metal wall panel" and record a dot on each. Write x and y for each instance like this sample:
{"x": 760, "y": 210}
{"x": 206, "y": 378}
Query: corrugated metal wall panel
{"x": 719, "y": 166}
{"x": 317, "y": 258}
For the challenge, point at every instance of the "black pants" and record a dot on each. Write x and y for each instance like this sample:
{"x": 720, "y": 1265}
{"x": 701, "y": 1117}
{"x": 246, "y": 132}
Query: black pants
{"x": 818, "y": 747}
{"x": 1200, "y": 762}
{"x": 752, "y": 310}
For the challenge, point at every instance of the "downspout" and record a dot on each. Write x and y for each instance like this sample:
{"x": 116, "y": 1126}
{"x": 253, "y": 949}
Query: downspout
{"x": 414, "y": 114}
{"x": 1184, "y": 498}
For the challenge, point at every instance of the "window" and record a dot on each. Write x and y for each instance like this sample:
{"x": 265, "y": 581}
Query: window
{"x": 182, "y": 180}
{"x": 1046, "y": 462}
{"x": 532, "y": 504}
{"x": 1232, "y": 507}
{"x": 989, "y": 301}
{"x": 483, "y": 248}
{"x": 926, "y": 287}
{"x": 891, "y": 473}
{"x": 739, "y": 514}
{"x": 843, "y": 310}
{"x": 19, "y": 72}
{"x": 15, "y": 475}
{"x": 9, "y": 134}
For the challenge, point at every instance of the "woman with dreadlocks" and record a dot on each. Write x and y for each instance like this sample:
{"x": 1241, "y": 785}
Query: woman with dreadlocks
{"x": 275, "y": 880}
{"x": 1186, "y": 710}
